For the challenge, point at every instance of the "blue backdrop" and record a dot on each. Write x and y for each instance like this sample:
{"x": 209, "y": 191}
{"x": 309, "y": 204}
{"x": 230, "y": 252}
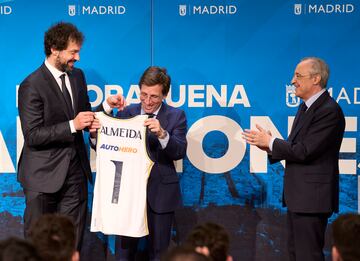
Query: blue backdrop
{"x": 231, "y": 64}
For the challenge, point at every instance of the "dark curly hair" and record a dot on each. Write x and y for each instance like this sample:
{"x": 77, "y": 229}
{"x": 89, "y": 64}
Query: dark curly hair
{"x": 346, "y": 236}
{"x": 16, "y": 249}
{"x": 212, "y": 236}
{"x": 54, "y": 237}
{"x": 184, "y": 253}
{"x": 156, "y": 75}
{"x": 58, "y": 36}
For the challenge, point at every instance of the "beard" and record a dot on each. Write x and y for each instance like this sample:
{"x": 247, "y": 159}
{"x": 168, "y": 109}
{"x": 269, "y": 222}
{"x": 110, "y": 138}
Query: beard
{"x": 63, "y": 66}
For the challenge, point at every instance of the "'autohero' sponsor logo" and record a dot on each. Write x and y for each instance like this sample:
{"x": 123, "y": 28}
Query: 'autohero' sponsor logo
{"x": 302, "y": 9}
{"x": 117, "y": 148}
{"x": 96, "y": 10}
{"x": 207, "y": 10}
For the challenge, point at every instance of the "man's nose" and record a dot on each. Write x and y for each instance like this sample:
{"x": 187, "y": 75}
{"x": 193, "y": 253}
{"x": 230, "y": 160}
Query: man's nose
{"x": 293, "y": 80}
{"x": 147, "y": 100}
{"x": 77, "y": 57}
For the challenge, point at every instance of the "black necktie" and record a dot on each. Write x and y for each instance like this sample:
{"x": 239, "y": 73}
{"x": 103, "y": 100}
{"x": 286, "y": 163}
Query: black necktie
{"x": 150, "y": 115}
{"x": 300, "y": 114}
{"x": 298, "y": 118}
{"x": 66, "y": 95}
{"x": 152, "y": 140}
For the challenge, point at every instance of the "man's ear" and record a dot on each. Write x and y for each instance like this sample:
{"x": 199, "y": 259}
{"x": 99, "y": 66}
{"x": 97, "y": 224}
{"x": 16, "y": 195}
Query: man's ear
{"x": 335, "y": 254}
{"x": 203, "y": 250}
{"x": 75, "y": 256}
{"x": 317, "y": 79}
{"x": 229, "y": 258}
{"x": 55, "y": 52}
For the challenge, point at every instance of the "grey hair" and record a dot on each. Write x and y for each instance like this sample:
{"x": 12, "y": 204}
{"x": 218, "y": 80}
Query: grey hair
{"x": 319, "y": 66}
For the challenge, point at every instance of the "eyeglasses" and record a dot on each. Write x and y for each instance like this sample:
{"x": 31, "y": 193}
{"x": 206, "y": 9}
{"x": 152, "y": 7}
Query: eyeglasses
{"x": 153, "y": 98}
{"x": 299, "y": 76}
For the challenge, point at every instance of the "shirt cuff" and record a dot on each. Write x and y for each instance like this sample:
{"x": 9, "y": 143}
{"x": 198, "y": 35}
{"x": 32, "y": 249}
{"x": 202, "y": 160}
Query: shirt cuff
{"x": 107, "y": 107}
{"x": 72, "y": 127}
{"x": 271, "y": 143}
{"x": 164, "y": 141}
{"x": 93, "y": 141}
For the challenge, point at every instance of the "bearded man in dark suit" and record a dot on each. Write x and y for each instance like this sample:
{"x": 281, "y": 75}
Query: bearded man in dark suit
{"x": 54, "y": 109}
{"x": 311, "y": 153}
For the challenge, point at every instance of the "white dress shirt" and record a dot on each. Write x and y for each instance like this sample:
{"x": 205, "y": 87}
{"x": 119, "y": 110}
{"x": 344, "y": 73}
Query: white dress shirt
{"x": 56, "y": 74}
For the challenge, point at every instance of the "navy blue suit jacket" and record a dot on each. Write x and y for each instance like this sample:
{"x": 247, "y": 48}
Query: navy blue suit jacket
{"x": 311, "y": 153}
{"x": 163, "y": 190}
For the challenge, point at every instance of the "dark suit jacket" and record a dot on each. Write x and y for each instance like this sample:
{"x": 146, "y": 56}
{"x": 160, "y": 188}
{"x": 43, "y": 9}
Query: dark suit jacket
{"x": 48, "y": 141}
{"x": 311, "y": 180}
{"x": 163, "y": 190}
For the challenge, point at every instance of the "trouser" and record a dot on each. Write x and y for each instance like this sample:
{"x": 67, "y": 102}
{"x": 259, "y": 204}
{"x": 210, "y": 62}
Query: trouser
{"x": 160, "y": 226}
{"x": 70, "y": 200}
{"x": 306, "y": 235}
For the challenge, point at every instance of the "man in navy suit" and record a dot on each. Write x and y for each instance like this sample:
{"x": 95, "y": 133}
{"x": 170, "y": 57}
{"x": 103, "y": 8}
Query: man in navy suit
{"x": 311, "y": 153}
{"x": 167, "y": 142}
{"x": 54, "y": 109}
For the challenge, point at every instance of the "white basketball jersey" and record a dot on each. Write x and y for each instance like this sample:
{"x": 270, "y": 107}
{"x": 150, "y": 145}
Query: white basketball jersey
{"x": 122, "y": 171}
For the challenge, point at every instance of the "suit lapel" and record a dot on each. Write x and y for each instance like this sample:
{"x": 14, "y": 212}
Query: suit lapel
{"x": 74, "y": 91}
{"x": 136, "y": 110}
{"x": 305, "y": 118}
{"x": 55, "y": 89}
{"x": 323, "y": 97}
{"x": 162, "y": 116}
{"x": 308, "y": 115}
